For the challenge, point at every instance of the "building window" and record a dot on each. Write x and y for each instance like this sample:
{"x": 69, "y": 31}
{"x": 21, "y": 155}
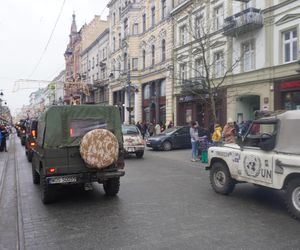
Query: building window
{"x": 114, "y": 18}
{"x": 119, "y": 13}
{"x": 198, "y": 27}
{"x": 144, "y": 59}
{"x": 135, "y": 29}
{"x": 97, "y": 63}
{"x": 182, "y": 35}
{"x": 93, "y": 65}
{"x": 134, "y": 64}
{"x": 218, "y": 18}
{"x": 120, "y": 40}
{"x": 144, "y": 22}
{"x": 125, "y": 61}
{"x": 152, "y": 16}
{"x": 153, "y": 54}
{"x": 219, "y": 64}
{"x": 114, "y": 44}
{"x": 147, "y": 92}
{"x": 125, "y": 27}
{"x": 163, "y": 9}
{"x": 199, "y": 68}
{"x": 163, "y": 50}
{"x": 183, "y": 72}
{"x": 249, "y": 56}
{"x": 163, "y": 88}
{"x": 290, "y": 49}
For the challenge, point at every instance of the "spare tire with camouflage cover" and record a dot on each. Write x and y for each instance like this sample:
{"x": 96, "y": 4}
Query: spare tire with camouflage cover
{"x": 99, "y": 148}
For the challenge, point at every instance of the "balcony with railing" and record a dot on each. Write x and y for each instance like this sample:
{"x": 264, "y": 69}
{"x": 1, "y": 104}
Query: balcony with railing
{"x": 245, "y": 21}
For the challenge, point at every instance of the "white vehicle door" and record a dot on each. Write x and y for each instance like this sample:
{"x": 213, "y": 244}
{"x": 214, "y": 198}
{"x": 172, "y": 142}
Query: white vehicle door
{"x": 256, "y": 165}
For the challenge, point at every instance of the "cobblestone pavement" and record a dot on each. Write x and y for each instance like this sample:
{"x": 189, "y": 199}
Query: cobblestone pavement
{"x": 165, "y": 202}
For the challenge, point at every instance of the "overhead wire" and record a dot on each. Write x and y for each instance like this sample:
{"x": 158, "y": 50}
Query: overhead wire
{"x": 49, "y": 40}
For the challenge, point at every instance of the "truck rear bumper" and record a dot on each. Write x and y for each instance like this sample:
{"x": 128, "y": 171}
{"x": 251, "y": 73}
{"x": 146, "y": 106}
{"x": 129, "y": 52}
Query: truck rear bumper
{"x": 84, "y": 177}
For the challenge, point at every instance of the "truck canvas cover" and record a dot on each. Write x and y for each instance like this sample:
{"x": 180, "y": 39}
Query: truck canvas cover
{"x": 288, "y": 140}
{"x": 64, "y": 126}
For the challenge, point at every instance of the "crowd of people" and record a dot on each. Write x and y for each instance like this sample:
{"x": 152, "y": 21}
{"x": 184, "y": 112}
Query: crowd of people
{"x": 201, "y": 139}
{"x": 151, "y": 128}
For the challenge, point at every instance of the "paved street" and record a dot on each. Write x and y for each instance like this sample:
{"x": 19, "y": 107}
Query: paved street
{"x": 165, "y": 202}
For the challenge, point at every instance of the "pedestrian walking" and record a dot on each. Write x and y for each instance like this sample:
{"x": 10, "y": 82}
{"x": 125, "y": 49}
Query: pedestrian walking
{"x": 151, "y": 129}
{"x": 217, "y": 135}
{"x": 229, "y": 132}
{"x": 162, "y": 127}
{"x": 170, "y": 125}
{"x": 194, "y": 140}
{"x": 3, "y": 139}
{"x": 157, "y": 129}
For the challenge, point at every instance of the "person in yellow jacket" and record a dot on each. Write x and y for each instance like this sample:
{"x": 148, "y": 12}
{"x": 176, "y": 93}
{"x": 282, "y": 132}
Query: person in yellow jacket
{"x": 217, "y": 135}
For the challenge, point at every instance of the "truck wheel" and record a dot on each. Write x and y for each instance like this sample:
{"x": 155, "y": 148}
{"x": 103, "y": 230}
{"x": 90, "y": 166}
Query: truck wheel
{"x": 112, "y": 186}
{"x": 46, "y": 190}
{"x": 139, "y": 154}
{"x": 29, "y": 156}
{"x": 220, "y": 179}
{"x": 167, "y": 146}
{"x": 292, "y": 198}
{"x": 35, "y": 176}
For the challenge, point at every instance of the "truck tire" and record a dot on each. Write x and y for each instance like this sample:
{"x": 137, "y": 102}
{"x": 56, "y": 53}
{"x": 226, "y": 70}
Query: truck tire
{"x": 29, "y": 156}
{"x": 99, "y": 148}
{"x": 292, "y": 198}
{"x": 220, "y": 178}
{"x": 139, "y": 154}
{"x": 112, "y": 186}
{"x": 46, "y": 190}
{"x": 35, "y": 176}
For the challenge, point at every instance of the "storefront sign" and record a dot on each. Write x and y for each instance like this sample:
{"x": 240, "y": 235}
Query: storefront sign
{"x": 187, "y": 98}
{"x": 290, "y": 85}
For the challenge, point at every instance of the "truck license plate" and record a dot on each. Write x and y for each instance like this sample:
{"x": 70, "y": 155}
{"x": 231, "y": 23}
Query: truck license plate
{"x": 130, "y": 149}
{"x": 62, "y": 179}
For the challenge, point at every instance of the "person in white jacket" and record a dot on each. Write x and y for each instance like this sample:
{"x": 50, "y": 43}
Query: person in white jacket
{"x": 157, "y": 129}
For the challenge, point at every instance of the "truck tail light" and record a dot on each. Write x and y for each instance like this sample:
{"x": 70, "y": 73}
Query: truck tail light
{"x": 71, "y": 132}
{"x": 33, "y": 133}
{"x": 51, "y": 170}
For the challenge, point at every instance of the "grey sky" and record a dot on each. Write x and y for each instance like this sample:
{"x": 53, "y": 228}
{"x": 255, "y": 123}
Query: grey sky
{"x": 25, "y": 27}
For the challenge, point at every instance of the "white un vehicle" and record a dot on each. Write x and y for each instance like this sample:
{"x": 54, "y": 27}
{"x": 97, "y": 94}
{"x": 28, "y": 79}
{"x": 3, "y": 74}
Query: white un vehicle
{"x": 268, "y": 155}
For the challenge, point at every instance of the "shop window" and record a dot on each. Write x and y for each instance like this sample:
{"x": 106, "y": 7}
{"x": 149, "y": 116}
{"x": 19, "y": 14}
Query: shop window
{"x": 291, "y": 100}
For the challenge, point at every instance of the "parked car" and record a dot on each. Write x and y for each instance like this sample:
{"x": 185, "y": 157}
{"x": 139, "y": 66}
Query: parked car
{"x": 171, "y": 138}
{"x": 78, "y": 145}
{"x": 30, "y": 141}
{"x": 133, "y": 140}
{"x": 268, "y": 156}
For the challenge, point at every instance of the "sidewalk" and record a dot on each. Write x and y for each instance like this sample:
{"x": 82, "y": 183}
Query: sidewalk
{"x": 8, "y": 200}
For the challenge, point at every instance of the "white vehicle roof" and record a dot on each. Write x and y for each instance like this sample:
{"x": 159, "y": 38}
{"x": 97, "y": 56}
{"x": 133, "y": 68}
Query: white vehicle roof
{"x": 288, "y": 140}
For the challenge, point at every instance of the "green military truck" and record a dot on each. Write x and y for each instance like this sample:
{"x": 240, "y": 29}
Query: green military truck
{"x": 78, "y": 145}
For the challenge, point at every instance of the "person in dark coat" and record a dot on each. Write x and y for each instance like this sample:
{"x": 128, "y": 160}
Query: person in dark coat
{"x": 3, "y": 139}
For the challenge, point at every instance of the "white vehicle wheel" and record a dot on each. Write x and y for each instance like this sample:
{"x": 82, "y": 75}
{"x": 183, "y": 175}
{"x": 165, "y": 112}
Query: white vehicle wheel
{"x": 220, "y": 178}
{"x": 293, "y": 198}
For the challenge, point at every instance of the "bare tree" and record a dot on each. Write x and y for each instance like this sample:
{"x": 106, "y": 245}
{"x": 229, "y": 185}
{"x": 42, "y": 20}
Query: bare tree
{"x": 210, "y": 74}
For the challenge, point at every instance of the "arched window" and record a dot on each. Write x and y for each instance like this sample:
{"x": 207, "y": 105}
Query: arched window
{"x": 144, "y": 59}
{"x": 153, "y": 54}
{"x": 163, "y": 50}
